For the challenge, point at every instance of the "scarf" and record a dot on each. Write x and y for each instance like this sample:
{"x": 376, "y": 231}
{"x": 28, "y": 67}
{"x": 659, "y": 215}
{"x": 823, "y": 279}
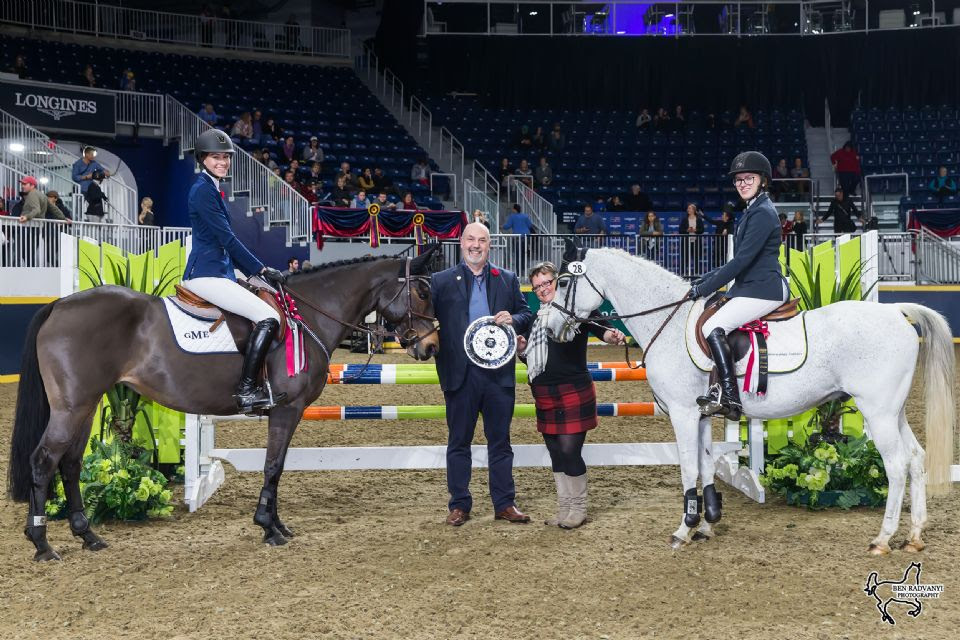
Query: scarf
{"x": 537, "y": 351}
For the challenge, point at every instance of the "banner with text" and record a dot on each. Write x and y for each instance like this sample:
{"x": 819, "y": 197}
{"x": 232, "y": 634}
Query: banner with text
{"x": 53, "y": 107}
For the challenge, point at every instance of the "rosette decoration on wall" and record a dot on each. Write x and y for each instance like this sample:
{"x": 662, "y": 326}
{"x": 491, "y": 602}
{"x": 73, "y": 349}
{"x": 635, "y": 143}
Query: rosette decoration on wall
{"x": 377, "y": 223}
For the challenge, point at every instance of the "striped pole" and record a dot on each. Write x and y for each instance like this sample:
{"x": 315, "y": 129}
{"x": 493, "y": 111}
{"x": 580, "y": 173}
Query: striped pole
{"x": 388, "y": 375}
{"x": 435, "y": 412}
{"x": 421, "y": 366}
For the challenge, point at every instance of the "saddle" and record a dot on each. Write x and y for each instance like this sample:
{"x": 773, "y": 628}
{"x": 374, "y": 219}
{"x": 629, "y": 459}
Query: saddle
{"x": 739, "y": 341}
{"x": 240, "y": 327}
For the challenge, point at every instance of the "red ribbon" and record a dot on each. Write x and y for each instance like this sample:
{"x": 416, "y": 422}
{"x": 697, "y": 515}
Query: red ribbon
{"x": 294, "y": 346}
{"x": 753, "y": 328}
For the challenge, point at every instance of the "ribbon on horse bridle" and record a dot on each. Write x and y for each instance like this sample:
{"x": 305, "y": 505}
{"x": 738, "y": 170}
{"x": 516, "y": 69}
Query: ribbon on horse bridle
{"x": 571, "y": 297}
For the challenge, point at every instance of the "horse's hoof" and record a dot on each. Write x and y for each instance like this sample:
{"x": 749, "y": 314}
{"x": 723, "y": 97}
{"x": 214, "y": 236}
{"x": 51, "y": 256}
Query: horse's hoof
{"x": 282, "y": 528}
{"x": 879, "y": 550}
{"x": 700, "y": 535}
{"x": 95, "y": 545}
{"x": 274, "y": 538}
{"x": 678, "y": 543}
{"x": 913, "y": 546}
{"x": 46, "y": 555}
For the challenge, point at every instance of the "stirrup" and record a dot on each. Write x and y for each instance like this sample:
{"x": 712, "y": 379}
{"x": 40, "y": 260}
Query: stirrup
{"x": 258, "y": 400}
{"x": 710, "y": 404}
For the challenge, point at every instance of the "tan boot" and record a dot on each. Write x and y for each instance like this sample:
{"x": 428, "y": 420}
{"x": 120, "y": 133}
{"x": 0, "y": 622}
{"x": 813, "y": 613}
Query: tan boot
{"x": 576, "y": 487}
{"x": 563, "y": 501}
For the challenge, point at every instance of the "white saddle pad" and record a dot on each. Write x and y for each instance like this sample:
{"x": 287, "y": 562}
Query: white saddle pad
{"x": 193, "y": 334}
{"x": 786, "y": 345}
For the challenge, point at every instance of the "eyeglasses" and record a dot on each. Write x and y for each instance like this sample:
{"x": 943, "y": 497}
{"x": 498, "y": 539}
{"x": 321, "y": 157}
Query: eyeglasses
{"x": 543, "y": 285}
{"x": 749, "y": 180}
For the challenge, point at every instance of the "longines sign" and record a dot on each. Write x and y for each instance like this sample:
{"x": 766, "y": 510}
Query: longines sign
{"x": 51, "y": 107}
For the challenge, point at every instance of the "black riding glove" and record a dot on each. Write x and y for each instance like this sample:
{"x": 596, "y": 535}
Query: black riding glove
{"x": 694, "y": 293}
{"x": 273, "y": 276}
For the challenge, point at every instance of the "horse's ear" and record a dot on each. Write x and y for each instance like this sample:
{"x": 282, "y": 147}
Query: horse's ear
{"x": 422, "y": 264}
{"x": 570, "y": 249}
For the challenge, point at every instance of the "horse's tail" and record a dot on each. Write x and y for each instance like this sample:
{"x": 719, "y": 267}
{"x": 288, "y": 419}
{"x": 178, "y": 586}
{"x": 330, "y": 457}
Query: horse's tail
{"x": 32, "y": 414}
{"x": 937, "y": 360}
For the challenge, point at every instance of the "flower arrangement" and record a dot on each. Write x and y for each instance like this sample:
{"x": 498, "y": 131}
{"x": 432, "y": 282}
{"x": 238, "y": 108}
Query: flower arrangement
{"x": 821, "y": 474}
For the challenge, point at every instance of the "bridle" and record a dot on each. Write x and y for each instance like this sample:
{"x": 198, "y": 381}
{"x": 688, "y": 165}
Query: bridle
{"x": 571, "y": 318}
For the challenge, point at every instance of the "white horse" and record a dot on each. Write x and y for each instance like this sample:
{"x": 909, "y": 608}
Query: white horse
{"x": 864, "y": 349}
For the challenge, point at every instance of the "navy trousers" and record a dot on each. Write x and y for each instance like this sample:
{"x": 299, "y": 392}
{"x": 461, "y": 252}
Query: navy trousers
{"x": 479, "y": 393}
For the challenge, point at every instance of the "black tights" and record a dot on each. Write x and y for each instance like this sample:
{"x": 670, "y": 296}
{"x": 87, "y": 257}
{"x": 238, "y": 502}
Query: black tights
{"x": 565, "y": 452}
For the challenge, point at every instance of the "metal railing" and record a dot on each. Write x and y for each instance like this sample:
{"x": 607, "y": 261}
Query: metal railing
{"x": 451, "y": 152}
{"x": 896, "y": 255}
{"x": 532, "y": 203}
{"x": 268, "y": 194}
{"x": 140, "y": 109}
{"x": 108, "y": 21}
{"x": 938, "y": 260}
{"x": 11, "y": 174}
{"x": 475, "y": 199}
{"x": 423, "y": 118}
{"x": 868, "y": 196}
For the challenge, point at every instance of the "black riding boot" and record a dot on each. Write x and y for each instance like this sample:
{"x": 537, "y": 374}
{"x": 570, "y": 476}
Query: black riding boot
{"x": 722, "y": 398}
{"x": 251, "y": 396}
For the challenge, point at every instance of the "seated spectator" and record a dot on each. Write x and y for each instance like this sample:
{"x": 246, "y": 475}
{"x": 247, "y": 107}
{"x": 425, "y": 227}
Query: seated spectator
{"x": 557, "y": 140}
{"x": 942, "y": 185}
{"x": 679, "y": 118}
{"x": 661, "y": 121}
{"x": 589, "y": 223}
{"x": 381, "y": 181}
{"x": 208, "y": 115}
{"x": 481, "y": 217}
{"x": 637, "y": 200}
{"x": 365, "y": 181}
{"x": 644, "y": 119}
{"x": 692, "y": 222}
{"x": 127, "y": 80}
{"x": 288, "y": 152}
{"x": 407, "y": 203}
{"x": 518, "y": 222}
{"x": 799, "y": 171}
{"x": 311, "y": 191}
{"x": 359, "y": 201}
{"x": 290, "y": 177}
{"x": 524, "y": 139}
{"x": 264, "y": 157}
{"x": 243, "y": 127}
{"x": 314, "y": 175}
{"x": 505, "y": 171}
{"x": 543, "y": 174}
{"x": 616, "y": 204}
{"x": 256, "y": 125}
{"x": 146, "y": 216}
{"x": 271, "y": 131}
{"x": 780, "y": 172}
{"x": 383, "y": 202}
{"x": 340, "y": 194}
{"x": 349, "y": 178}
{"x": 19, "y": 67}
{"x": 54, "y": 198}
{"x": 294, "y": 166}
{"x": 524, "y": 170}
{"x": 600, "y": 204}
{"x": 313, "y": 152}
{"x": 420, "y": 172}
{"x": 89, "y": 79}
{"x": 744, "y": 118}
{"x": 539, "y": 139}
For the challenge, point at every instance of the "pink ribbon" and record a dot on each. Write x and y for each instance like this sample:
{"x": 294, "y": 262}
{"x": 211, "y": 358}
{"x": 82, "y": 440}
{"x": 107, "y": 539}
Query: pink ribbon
{"x": 293, "y": 341}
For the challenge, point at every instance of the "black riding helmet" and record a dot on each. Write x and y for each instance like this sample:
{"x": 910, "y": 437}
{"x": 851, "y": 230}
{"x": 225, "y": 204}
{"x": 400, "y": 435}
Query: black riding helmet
{"x": 212, "y": 141}
{"x": 751, "y": 162}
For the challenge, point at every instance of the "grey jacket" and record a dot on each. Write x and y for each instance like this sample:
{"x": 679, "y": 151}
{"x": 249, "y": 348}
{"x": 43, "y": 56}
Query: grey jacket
{"x": 36, "y": 205}
{"x": 755, "y": 268}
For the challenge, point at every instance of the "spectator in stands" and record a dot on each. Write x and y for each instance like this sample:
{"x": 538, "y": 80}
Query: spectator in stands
{"x": 651, "y": 227}
{"x": 518, "y": 222}
{"x": 256, "y": 125}
{"x": 557, "y": 140}
{"x": 208, "y": 115}
{"x": 744, "y": 118}
{"x": 786, "y": 227}
{"x": 679, "y": 118}
{"x": 600, "y": 204}
{"x": 349, "y": 177}
{"x": 291, "y": 32}
{"x": 294, "y": 166}
{"x": 846, "y": 163}
{"x": 290, "y": 177}
{"x": 85, "y": 168}
{"x": 128, "y": 81}
{"x": 54, "y": 198}
{"x": 313, "y": 152}
{"x": 616, "y": 204}
{"x": 543, "y": 174}
{"x": 360, "y": 201}
{"x": 692, "y": 222}
{"x": 271, "y": 131}
{"x": 293, "y": 265}
{"x": 524, "y": 170}
{"x": 19, "y": 67}
{"x": 661, "y": 121}
{"x": 365, "y": 180}
{"x": 289, "y": 149}
{"x": 146, "y": 216}
{"x": 539, "y": 139}
{"x": 36, "y": 206}
{"x": 264, "y": 157}
{"x": 780, "y": 172}
{"x": 943, "y": 185}
{"x": 420, "y": 172}
{"x": 89, "y": 79}
{"x": 481, "y": 217}
{"x": 340, "y": 194}
{"x": 407, "y": 203}
{"x": 505, "y": 171}
{"x": 644, "y": 119}
{"x": 799, "y": 172}
{"x": 799, "y": 230}
{"x": 383, "y": 202}
{"x": 724, "y": 226}
{"x": 589, "y": 224}
{"x": 243, "y": 127}
{"x": 206, "y": 26}
{"x": 314, "y": 175}
{"x": 637, "y": 200}
{"x": 310, "y": 191}
{"x": 382, "y": 182}
{"x": 844, "y": 213}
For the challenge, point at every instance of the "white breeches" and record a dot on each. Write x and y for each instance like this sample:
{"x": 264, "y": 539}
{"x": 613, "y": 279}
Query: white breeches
{"x": 738, "y": 312}
{"x": 230, "y": 296}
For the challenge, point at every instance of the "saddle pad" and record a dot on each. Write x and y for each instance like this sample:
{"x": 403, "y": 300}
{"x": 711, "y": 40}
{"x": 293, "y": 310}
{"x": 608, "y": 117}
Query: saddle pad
{"x": 786, "y": 346}
{"x": 193, "y": 334}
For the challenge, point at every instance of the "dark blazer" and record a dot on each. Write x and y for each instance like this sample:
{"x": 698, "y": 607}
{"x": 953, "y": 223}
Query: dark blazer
{"x": 685, "y": 225}
{"x": 755, "y": 268}
{"x": 215, "y": 247}
{"x": 450, "y": 290}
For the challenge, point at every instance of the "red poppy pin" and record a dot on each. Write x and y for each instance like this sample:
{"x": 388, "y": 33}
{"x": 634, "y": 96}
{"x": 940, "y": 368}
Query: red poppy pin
{"x": 223, "y": 195}
{"x": 494, "y": 272}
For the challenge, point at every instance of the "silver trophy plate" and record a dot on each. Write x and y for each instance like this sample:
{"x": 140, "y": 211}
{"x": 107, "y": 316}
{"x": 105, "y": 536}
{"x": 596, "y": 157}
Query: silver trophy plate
{"x": 488, "y": 344}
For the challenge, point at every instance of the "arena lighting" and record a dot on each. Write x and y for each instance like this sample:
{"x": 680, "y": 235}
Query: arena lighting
{"x": 669, "y": 15}
{"x": 533, "y": 13}
{"x": 43, "y": 180}
{"x": 16, "y": 147}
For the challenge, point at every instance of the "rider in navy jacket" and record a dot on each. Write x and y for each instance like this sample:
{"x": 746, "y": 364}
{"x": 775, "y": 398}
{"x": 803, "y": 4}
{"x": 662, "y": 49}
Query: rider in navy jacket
{"x": 209, "y": 273}
{"x": 758, "y": 283}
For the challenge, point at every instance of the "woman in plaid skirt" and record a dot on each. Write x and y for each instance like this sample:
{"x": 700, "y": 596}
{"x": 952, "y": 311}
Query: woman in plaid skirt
{"x": 565, "y": 397}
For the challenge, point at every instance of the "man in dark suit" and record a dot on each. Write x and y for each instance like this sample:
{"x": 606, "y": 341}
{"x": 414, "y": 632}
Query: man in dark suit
{"x": 461, "y": 294}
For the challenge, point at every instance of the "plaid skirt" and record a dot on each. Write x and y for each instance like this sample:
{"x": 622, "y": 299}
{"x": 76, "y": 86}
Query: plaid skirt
{"x": 565, "y": 408}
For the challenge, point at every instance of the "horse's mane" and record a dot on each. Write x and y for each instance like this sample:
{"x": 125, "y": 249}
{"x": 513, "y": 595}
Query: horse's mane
{"x": 339, "y": 263}
{"x": 641, "y": 262}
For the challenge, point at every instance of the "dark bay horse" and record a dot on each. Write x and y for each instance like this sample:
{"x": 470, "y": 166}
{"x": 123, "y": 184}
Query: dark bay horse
{"x": 79, "y": 346}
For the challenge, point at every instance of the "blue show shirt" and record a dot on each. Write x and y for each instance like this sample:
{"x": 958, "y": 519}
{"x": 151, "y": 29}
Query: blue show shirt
{"x": 479, "y": 307}
{"x": 81, "y": 168}
{"x": 519, "y": 223}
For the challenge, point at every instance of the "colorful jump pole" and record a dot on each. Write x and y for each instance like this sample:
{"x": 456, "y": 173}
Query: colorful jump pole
{"x": 435, "y": 412}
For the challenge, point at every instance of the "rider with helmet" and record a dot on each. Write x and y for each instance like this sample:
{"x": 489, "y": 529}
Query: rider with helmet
{"x": 209, "y": 271}
{"x": 758, "y": 283}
